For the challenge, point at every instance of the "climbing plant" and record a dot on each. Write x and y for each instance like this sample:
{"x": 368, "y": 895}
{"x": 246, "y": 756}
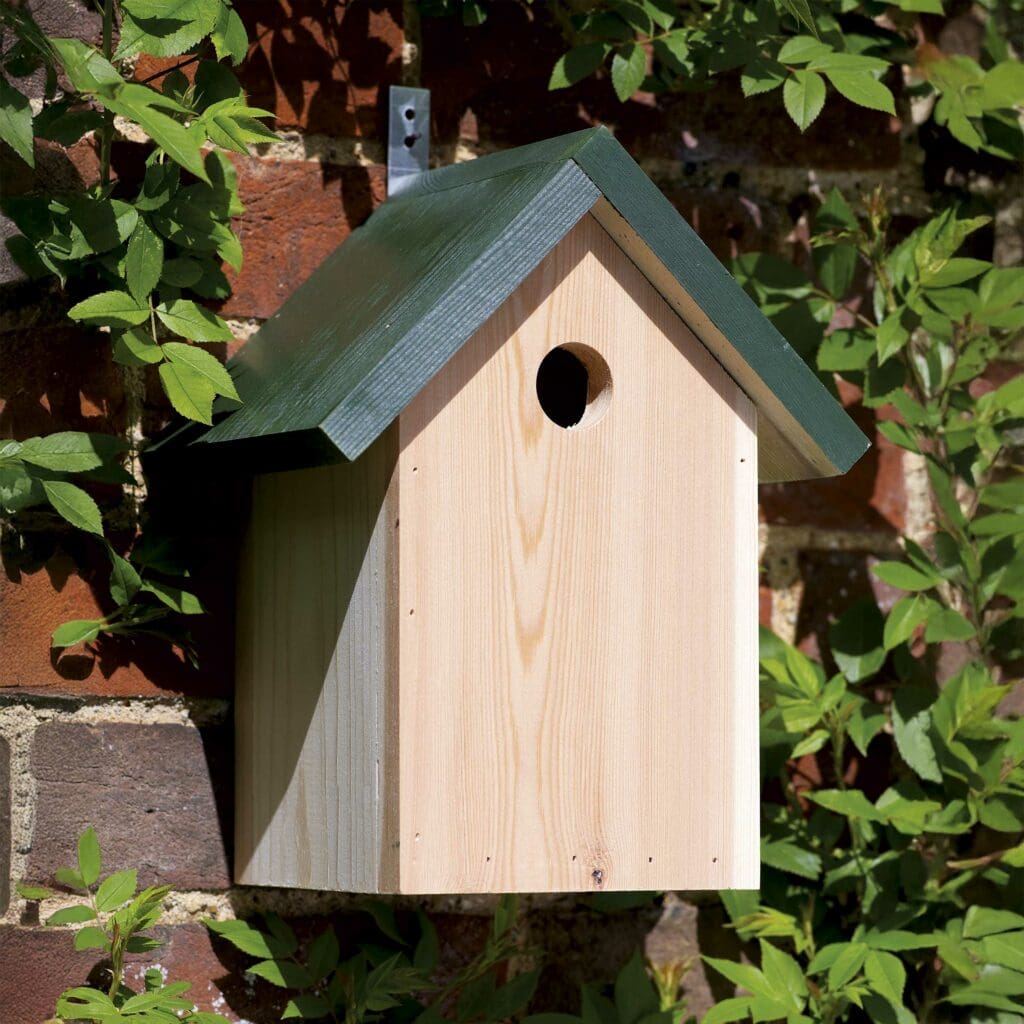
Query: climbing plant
{"x": 134, "y": 260}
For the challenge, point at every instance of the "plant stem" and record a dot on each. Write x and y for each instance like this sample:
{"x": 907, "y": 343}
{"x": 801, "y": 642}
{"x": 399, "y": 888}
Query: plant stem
{"x": 107, "y": 131}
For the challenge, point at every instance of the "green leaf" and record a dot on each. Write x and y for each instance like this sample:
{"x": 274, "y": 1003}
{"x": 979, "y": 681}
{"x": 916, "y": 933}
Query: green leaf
{"x": 158, "y": 185}
{"x": 801, "y": 11}
{"x": 323, "y": 955}
{"x": 891, "y": 336}
{"x": 785, "y": 855}
{"x": 862, "y": 88}
{"x": 785, "y": 975}
{"x": 16, "y": 121}
{"x": 746, "y": 975}
{"x": 124, "y": 579}
{"x": 855, "y": 640}
{"x": 144, "y": 261}
{"x": 174, "y": 597}
{"x": 193, "y": 321}
{"x": 803, "y": 96}
{"x": 91, "y": 937}
{"x": 245, "y": 937}
{"x": 635, "y": 995}
{"x": 906, "y": 577}
{"x": 136, "y": 348}
{"x": 74, "y": 505}
{"x": 911, "y": 722}
{"x": 77, "y": 631}
{"x": 629, "y": 66}
{"x": 886, "y": 975}
{"x": 189, "y": 392}
{"x": 69, "y": 878}
{"x": 907, "y": 614}
{"x": 140, "y": 104}
{"x": 802, "y": 49}
{"x": 577, "y": 64}
{"x": 836, "y": 265}
{"x": 84, "y": 65}
{"x": 33, "y": 892}
{"x": 89, "y": 861}
{"x": 71, "y": 451}
{"x": 116, "y": 889}
{"x": 307, "y": 1006}
{"x": 110, "y": 309}
{"x": 851, "y": 802}
{"x": 181, "y": 272}
{"x": 283, "y": 973}
{"x": 982, "y": 921}
{"x": 947, "y": 624}
{"x": 164, "y": 28}
{"x": 847, "y": 964}
{"x": 512, "y": 997}
{"x": 203, "y": 364}
{"x": 71, "y": 915}
{"x": 762, "y": 75}
{"x": 229, "y": 37}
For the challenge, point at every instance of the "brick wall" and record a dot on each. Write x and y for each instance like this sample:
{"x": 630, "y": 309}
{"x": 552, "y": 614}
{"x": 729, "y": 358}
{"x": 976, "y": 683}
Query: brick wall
{"x": 131, "y": 740}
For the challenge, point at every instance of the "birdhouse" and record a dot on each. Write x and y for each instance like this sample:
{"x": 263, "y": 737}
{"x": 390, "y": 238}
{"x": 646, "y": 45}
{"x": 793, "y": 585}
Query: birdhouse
{"x": 497, "y": 622}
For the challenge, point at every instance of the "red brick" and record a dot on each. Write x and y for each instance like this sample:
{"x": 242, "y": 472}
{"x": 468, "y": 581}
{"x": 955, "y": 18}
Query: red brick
{"x": 297, "y": 213}
{"x": 833, "y": 581}
{"x": 324, "y": 68}
{"x": 871, "y": 496}
{"x": 481, "y": 71}
{"x": 37, "y": 965}
{"x": 729, "y": 221}
{"x": 156, "y": 795}
{"x": 59, "y": 378}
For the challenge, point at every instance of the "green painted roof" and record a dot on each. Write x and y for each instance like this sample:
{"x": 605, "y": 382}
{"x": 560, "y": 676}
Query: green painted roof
{"x": 383, "y": 314}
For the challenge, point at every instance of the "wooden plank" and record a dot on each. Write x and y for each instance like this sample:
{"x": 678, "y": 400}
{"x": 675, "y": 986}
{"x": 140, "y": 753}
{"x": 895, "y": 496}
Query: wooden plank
{"x": 779, "y": 458}
{"x": 316, "y": 726}
{"x": 577, "y": 706}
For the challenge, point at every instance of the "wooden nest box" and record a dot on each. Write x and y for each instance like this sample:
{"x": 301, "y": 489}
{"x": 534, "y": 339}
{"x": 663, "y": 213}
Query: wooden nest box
{"x": 500, "y": 632}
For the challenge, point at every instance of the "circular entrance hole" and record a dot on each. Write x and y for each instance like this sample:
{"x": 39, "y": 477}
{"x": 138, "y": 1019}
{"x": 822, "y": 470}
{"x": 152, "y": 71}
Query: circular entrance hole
{"x": 574, "y": 386}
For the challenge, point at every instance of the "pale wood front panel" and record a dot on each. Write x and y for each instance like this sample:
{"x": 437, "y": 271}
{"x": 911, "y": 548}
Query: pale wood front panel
{"x": 315, "y": 713}
{"x": 578, "y": 607}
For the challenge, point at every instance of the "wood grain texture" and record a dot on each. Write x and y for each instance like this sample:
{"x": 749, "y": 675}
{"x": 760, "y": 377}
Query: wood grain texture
{"x": 316, "y": 705}
{"x": 578, "y": 607}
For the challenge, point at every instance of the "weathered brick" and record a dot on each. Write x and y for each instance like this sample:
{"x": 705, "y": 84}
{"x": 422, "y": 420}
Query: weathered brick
{"x": 59, "y": 377}
{"x": 323, "y": 68}
{"x": 297, "y": 213}
{"x": 45, "y": 586}
{"x": 37, "y": 965}
{"x": 157, "y": 795}
{"x": 833, "y": 581}
{"x": 729, "y": 221}
{"x": 5, "y": 824}
{"x": 871, "y": 496}
{"x": 482, "y": 71}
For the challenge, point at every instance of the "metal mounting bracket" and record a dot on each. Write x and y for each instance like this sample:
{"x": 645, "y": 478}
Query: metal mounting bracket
{"x": 408, "y": 136}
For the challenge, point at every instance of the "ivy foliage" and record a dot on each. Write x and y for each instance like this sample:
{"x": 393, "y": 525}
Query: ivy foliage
{"x": 111, "y": 917}
{"x": 390, "y": 976}
{"x": 904, "y": 903}
{"x": 138, "y": 261}
{"x": 808, "y": 49}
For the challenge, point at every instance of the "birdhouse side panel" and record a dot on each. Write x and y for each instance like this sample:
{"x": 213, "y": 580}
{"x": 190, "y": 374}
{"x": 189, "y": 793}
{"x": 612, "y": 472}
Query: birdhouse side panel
{"x": 578, "y": 603}
{"x": 316, "y": 711}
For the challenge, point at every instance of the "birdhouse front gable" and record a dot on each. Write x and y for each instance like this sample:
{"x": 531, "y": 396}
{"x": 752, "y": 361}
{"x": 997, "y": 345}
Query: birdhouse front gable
{"x": 506, "y": 617}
